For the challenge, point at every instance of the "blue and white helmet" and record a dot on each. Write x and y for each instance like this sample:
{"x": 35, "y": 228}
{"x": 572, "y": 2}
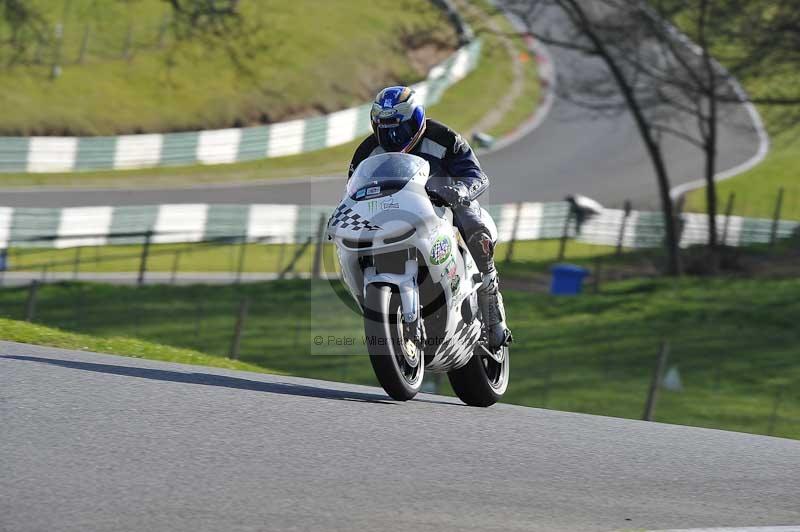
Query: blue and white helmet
{"x": 398, "y": 120}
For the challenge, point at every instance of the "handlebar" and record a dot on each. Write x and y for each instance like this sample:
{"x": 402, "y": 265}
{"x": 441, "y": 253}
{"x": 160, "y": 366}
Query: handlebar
{"x": 437, "y": 201}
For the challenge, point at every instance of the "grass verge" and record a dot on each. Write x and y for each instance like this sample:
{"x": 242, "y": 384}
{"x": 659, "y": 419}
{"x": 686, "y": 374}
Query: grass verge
{"x": 733, "y": 342}
{"x": 30, "y": 333}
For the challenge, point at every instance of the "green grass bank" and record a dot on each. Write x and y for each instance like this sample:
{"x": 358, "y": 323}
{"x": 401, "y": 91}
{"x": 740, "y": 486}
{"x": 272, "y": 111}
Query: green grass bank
{"x": 733, "y": 342}
{"x": 461, "y": 107}
{"x": 31, "y": 333}
{"x": 130, "y": 67}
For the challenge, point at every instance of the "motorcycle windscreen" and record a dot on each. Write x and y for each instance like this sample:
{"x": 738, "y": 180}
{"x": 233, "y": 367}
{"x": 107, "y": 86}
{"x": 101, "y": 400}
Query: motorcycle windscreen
{"x": 384, "y": 174}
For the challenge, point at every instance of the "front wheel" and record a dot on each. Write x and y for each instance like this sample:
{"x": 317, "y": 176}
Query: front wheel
{"x": 483, "y": 380}
{"x": 396, "y": 359}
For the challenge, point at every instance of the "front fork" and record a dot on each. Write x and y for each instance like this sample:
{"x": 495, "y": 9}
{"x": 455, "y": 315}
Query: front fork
{"x": 408, "y": 289}
{"x": 406, "y": 284}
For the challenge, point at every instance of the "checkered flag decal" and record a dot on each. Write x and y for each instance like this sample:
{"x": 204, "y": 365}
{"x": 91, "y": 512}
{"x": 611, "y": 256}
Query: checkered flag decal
{"x": 345, "y": 218}
{"x": 459, "y": 346}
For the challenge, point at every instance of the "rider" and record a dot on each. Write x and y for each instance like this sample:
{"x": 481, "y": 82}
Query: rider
{"x": 399, "y": 125}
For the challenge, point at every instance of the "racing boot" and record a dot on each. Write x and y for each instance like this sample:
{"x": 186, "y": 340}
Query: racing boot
{"x": 490, "y": 301}
{"x": 481, "y": 246}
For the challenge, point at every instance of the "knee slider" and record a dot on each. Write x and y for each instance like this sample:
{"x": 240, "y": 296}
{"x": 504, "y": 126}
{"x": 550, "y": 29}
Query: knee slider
{"x": 481, "y": 246}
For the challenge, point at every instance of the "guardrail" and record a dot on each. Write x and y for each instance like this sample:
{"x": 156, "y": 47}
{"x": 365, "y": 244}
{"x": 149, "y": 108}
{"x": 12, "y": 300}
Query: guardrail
{"x": 186, "y": 223}
{"x": 70, "y": 154}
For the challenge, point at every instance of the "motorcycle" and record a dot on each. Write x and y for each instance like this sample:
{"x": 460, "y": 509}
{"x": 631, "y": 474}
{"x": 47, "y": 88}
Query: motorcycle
{"x": 415, "y": 282}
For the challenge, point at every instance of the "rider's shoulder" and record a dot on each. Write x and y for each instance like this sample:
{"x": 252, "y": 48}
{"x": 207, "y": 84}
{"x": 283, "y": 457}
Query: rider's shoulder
{"x": 444, "y": 136}
{"x": 367, "y": 145}
{"x": 437, "y": 131}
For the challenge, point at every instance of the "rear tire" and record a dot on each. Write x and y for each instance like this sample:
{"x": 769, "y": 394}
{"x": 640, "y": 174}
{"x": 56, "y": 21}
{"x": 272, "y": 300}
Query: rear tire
{"x": 383, "y": 329}
{"x": 483, "y": 380}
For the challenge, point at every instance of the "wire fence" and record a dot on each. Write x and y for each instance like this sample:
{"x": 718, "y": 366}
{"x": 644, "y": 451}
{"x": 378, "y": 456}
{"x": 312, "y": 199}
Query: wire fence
{"x": 276, "y": 325}
{"x": 237, "y": 257}
{"x": 76, "y": 31}
{"x": 608, "y": 371}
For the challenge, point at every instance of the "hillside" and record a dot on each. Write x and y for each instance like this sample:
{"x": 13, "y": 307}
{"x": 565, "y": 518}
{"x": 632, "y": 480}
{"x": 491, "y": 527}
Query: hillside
{"x": 141, "y": 66}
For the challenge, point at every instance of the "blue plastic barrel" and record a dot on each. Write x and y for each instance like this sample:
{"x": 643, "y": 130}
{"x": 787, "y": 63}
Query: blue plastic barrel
{"x": 3, "y": 260}
{"x": 567, "y": 279}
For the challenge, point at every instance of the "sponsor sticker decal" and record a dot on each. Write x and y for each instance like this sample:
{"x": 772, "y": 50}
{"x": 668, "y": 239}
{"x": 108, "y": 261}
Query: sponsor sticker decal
{"x": 371, "y": 191}
{"x": 451, "y": 270}
{"x": 440, "y": 250}
{"x": 390, "y": 204}
{"x": 455, "y": 284}
{"x": 361, "y": 193}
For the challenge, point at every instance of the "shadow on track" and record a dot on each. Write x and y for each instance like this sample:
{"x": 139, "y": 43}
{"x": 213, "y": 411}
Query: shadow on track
{"x": 208, "y": 379}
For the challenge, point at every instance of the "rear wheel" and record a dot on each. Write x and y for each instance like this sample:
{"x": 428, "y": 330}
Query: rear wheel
{"x": 483, "y": 380}
{"x": 396, "y": 359}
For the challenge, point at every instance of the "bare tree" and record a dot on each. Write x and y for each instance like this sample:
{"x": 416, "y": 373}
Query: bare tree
{"x": 755, "y": 40}
{"x": 669, "y": 80}
{"x": 219, "y": 25}
{"x": 597, "y": 30}
{"x": 22, "y": 28}
{"x": 209, "y": 16}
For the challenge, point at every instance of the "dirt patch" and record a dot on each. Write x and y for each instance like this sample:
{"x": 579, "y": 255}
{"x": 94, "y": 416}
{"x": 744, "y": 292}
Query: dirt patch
{"x": 424, "y": 58}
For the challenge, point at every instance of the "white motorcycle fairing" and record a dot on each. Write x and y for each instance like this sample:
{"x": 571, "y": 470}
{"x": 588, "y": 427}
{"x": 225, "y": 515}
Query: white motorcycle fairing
{"x": 380, "y": 218}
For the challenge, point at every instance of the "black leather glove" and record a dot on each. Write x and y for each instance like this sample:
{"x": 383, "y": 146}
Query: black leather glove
{"x": 450, "y": 195}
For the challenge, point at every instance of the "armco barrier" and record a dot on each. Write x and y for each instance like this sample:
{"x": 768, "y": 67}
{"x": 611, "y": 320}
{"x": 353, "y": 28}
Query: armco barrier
{"x": 98, "y": 226}
{"x": 68, "y": 154}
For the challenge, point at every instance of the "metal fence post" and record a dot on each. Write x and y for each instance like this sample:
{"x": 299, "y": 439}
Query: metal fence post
{"x": 655, "y": 382}
{"x": 281, "y": 254}
{"x": 317, "y": 267}
{"x": 514, "y": 229}
{"x": 30, "y": 304}
{"x": 241, "y": 316}
{"x": 290, "y": 267}
{"x": 623, "y": 226}
{"x": 143, "y": 262}
{"x": 776, "y": 217}
{"x": 242, "y": 254}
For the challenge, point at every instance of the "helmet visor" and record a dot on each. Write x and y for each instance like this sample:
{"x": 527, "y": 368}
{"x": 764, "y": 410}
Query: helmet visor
{"x": 395, "y": 135}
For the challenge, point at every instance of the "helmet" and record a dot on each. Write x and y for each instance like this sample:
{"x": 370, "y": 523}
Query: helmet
{"x": 398, "y": 121}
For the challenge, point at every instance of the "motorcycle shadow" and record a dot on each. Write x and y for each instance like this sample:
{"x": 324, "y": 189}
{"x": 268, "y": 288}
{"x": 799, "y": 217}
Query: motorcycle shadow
{"x": 208, "y": 379}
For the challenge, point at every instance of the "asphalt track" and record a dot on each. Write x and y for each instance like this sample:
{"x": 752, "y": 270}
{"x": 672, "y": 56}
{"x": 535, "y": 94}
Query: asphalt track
{"x": 571, "y": 152}
{"x": 100, "y": 442}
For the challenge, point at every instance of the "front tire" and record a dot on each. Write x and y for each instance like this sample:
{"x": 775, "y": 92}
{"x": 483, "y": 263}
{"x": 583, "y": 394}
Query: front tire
{"x": 483, "y": 380}
{"x": 392, "y": 362}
